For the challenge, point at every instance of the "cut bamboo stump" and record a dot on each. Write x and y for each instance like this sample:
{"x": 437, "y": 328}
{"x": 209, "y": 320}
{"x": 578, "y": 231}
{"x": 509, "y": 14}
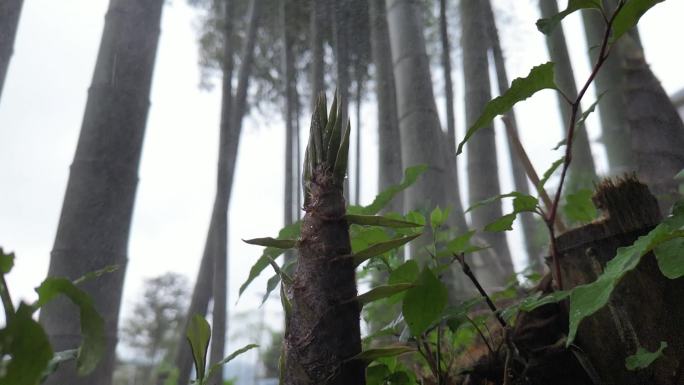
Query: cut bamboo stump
{"x": 645, "y": 308}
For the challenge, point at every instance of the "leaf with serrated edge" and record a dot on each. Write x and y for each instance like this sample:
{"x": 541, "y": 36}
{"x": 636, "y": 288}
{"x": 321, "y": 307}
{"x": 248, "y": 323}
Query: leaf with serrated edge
{"x": 540, "y": 78}
{"x": 381, "y": 248}
{"x": 505, "y": 223}
{"x": 381, "y": 292}
{"x": 546, "y": 26}
{"x": 378, "y": 220}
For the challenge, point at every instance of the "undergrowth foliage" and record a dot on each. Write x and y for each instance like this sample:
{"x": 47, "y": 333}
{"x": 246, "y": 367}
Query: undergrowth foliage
{"x": 412, "y": 306}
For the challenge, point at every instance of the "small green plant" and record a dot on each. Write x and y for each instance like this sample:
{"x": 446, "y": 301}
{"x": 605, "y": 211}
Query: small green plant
{"x": 27, "y": 357}
{"x": 199, "y": 335}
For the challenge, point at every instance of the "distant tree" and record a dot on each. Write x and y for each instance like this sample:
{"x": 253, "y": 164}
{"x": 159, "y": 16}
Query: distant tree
{"x": 157, "y": 318}
{"x": 98, "y": 205}
{"x": 389, "y": 143}
{"x": 582, "y": 174}
{"x": 610, "y": 82}
{"x": 10, "y": 10}
{"x": 422, "y": 139}
{"x": 483, "y": 176}
{"x": 233, "y": 109}
{"x": 520, "y": 179}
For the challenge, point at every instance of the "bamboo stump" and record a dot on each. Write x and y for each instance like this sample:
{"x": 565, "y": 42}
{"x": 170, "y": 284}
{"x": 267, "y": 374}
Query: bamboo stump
{"x": 645, "y": 307}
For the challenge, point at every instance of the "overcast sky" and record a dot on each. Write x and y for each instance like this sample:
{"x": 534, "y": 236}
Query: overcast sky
{"x": 42, "y": 107}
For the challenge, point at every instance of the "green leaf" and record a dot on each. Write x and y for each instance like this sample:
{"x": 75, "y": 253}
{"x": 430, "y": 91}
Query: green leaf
{"x": 424, "y": 303}
{"x": 436, "y": 217}
{"x": 340, "y": 169}
{"x": 272, "y": 242}
{"x": 271, "y": 285}
{"x": 381, "y": 248}
{"x": 198, "y": 335}
{"x": 376, "y": 374}
{"x": 532, "y": 302}
{"x": 411, "y": 175}
{"x": 539, "y": 78}
{"x": 629, "y": 16}
{"x": 6, "y": 262}
{"x": 549, "y": 172}
{"x": 546, "y": 26}
{"x": 523, "y": 203}
{"x": 333, "y": 133}
{"x": 381, "y": 292}
{"x": 587, "y": 299}
{"x": 57, "y": 359}
{"x": 27, "y": 344}
{"x": 96, "y": 274}
{"x": 579, "y": 207}
{"x": 371, "y": 355}
{"x": 270, "y": 253}
{"x": 583, "y": 117}
{"x": 643, "y": 358}
{"x": 229, "y": 358}
{"x": 492, "y": 200}
{"x": 405, "y": 273}
{"x": 92, "y": 324}
{"x": 670, "y": 256}
{"x": 505, "y": 223}
{"x": 461, "y": 243}
{"x": 377, "y": 220}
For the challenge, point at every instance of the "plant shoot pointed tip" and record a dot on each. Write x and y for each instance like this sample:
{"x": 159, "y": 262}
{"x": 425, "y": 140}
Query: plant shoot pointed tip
{"x": 340, "y": 168}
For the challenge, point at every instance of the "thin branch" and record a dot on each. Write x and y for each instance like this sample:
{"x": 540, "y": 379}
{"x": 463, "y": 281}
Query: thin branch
{"x": 467, "y": 271}
{"x": 602, "y": 56}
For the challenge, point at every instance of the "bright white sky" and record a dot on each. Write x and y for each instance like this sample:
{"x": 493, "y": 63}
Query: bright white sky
{"x": 42, "y": 107}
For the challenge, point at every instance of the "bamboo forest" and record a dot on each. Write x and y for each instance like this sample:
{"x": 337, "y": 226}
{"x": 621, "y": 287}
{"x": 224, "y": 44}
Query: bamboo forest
{"x": 341, "y": 192}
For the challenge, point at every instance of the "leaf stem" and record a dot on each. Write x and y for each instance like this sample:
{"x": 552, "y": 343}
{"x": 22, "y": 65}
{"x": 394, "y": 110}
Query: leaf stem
{"x": 7, "y": 303}
{"x": 468, "y": 272}
{"x": 602, "y": 56}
